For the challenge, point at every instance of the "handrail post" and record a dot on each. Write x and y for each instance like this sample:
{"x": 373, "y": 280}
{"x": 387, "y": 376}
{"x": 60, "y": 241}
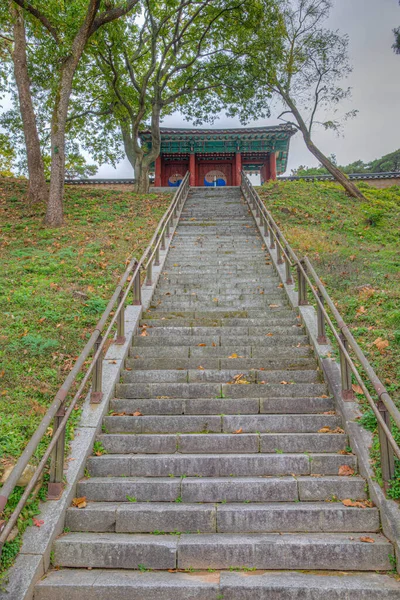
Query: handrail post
{"x": 120, "y": 339}
{"x": 97, "y": 394}
{"x": 271, "y": 238}
{"x": 278, "y": 249}
{"x": 288, "y": 272}
{"x": 345, "y": 373}
{"x": 157, "y": 256}
{"x": 163, "y": 240}
{"x": 149, "y": 273}
{"x": 167, "y": 231}
{"x": 386, "y": 450}
{"x": 302, "y": 285}
{"x": 55, "y": 485}
{"x": 137, "y": 290}
{"x": 266, "y": 232}
{"x": 321, "y": 339}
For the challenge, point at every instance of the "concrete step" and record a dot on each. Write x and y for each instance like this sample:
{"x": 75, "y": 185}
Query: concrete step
{"x": 240, "y": 364}
{"x": 290, "y": 339}
{"x": 223, "y": 489}
{"x": 242, "y": 351}
{"x": 318, "y": 551}
{"x": 116, "y": 443}
{"x": 219, "y": 375}
{"x": 222, "y": 406}
{"x": 217, "y": 465}
{"x": 164, "y": 517}
{"x": 75, "y": 584}
{"x": 217, "y": 390}
{"x": 290, "y": 319}
{"x": 263, "y": 423}
{"x": 166, "y": 331}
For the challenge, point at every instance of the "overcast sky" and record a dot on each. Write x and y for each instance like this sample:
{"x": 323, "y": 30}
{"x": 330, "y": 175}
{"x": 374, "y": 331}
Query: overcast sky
{"x": 376, "y": 90}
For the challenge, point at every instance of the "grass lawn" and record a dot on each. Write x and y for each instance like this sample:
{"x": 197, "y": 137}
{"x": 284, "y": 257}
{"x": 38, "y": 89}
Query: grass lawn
{"x": 355, "y": 249}
{"x": 54, "y": 285}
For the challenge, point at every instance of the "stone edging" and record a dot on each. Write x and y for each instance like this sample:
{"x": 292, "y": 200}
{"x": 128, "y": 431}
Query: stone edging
{"x": 34, "y": 558}
{"x": 360, "y": 439}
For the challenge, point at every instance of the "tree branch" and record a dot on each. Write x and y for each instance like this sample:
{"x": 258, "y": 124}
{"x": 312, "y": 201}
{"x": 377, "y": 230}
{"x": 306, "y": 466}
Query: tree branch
{"x": 40, "y": 17}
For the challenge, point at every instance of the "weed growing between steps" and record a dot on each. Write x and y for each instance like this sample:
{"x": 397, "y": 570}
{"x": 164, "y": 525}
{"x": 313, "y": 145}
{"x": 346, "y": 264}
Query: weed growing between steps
{"x": 354, "y": 248}
{"x": 54, "y": 285}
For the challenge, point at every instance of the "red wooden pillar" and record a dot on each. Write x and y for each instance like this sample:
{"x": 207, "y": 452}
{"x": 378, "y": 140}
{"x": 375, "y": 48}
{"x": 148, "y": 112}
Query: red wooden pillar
{"x": 272, "y": 166}
{"x": 238, "y": 169}
{"x": 157, "y": 175}
{"x": 192, "y": 169}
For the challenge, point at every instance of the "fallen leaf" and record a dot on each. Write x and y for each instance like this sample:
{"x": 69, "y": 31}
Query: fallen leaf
{"x": 200, "y": 368}
{"x": 238, "y": 430}
{"x": 137, "y": 413}
{"x": 274, "y": 305}
{"x": 345, "y": 470}
{"x": 214, "y": 345}
{"x": 381, "y": 344}
{"x": 234, "y": 355}
{"x": 37, "y": 522}
{"x": 79, "y": 502}
{"x": 357, "y": 389}
{"x": 144, "y": 333}
{"x": 269, "y": 334}
{"x": 367, "y": 539}
{"x": 202, "y": 344}
{"x": 324, "y": 430}
{"x": 284, "y": 382}
{"x": 356, "y": 504}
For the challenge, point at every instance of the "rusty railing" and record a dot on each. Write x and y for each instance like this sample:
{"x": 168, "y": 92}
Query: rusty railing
{"x": 382, "y": 405}
{"x": 60, "y": 411}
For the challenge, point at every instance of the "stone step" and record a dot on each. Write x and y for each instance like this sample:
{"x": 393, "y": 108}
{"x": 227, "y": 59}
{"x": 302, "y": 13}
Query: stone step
{"x": 166, "y": 331}
{"x": 218, "y": 363}
{"x": 217, "y": 313}
{"x": 217, "y": 465}
{"x": 218, "y": 375}
{"x": 222, "y": 406}
{"x": 263, "y": 423}
{"x": 96, "y": 584}
{"x": 164, "y": 517}
{"x": 217, "y": 390}
{"x": 264, "y": 352}
{"x": 218, "y": 322}
{"x": 317, "y": 551}
{"x": 288, "y": 340}
{"x": 117, "y": 443}
{"x": 223, "y": 489}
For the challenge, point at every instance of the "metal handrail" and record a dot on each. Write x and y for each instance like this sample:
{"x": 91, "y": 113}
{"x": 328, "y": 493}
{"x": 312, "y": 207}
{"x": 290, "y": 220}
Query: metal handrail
{"x": 307, "y": 279}
{"x": 58, "y": 411}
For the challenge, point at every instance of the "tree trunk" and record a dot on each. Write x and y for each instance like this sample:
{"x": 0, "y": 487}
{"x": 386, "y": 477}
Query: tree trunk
{"x": 54, "y": 215}
{"x": 348, "y": 185}
{"x": 142, "y": 181}
{"x": 37, "y": 191}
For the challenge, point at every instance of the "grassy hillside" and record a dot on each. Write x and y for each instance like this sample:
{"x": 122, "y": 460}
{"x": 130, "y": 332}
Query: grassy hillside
{"x": 355, "y": 249}
{"x": 54, "y": 285}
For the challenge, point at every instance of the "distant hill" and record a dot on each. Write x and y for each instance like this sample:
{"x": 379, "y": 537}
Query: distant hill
{"x": 389, "y": 162}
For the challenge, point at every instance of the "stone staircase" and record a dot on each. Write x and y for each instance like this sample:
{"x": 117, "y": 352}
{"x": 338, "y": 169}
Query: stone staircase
{"x": 221, "y": 477}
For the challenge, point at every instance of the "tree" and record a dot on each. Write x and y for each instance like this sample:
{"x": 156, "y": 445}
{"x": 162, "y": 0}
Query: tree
{"x": 37, "y": 189}
{"x": 67, "y": 28}
{"x": 306, "y": 80}
{"x": 152, "y": 69}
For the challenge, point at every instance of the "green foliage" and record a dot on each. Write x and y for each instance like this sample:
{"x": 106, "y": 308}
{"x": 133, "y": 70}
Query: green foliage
{"x": 7, "y": 155}
{"x": 354, "y": 249}
{"x": 388, "y": 163}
